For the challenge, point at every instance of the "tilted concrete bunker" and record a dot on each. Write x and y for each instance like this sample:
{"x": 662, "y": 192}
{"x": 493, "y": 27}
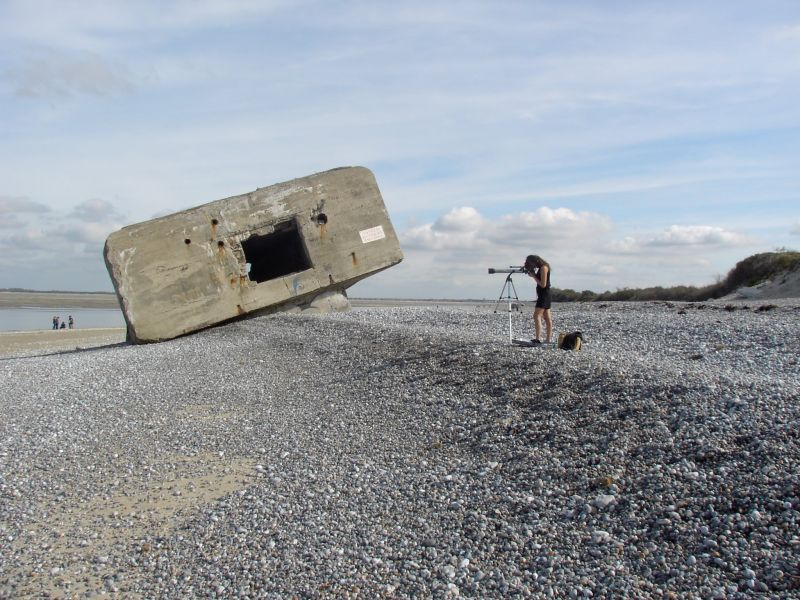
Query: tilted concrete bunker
{"x": 297, "y": 243}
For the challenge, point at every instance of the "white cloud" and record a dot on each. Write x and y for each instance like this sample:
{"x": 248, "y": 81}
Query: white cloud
{"x": 626, "y": 245}
{"x": 56, "y": 247}
{"x": 679, "y": 239}
{"x": 458, "y": 229}
{"x": 696, "y": 235}
{"x": 548, "y": 227}
{"x": 91, "y": 234}
{"x": 20, "y": 204}
{"x": 93, "y": 25}
{"x": 448, "y": 257}
{"x": 464, "y": 219}
{"x": 62, "y": 240}
{"x": 95, "y": 210}
{"x": 11, "y": 222}
{"x": 426, "y": 237}
{"x": 790, "y": 33}
{"x": 466, "y": 228}
{"x": 25, "y": 240}
{"x": 46, "y": 259}
{"x": 456, "y": 249}
{"x": 52, "y": 75}
{"x": 15, "y": 211}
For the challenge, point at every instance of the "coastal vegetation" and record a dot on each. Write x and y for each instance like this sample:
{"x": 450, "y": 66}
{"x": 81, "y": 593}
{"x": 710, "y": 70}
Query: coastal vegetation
{"x": 749, "y": 272}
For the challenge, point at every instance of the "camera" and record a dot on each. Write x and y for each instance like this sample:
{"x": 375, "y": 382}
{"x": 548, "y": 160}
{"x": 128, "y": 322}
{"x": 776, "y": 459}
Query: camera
{"x": 511, "y": 269}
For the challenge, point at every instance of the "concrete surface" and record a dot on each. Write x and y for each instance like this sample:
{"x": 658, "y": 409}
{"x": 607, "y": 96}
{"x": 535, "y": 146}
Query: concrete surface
{"x": 275, "y": 248}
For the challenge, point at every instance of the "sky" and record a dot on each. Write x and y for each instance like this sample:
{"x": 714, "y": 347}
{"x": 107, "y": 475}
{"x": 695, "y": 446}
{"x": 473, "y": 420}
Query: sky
{"x": 629, "y": 143}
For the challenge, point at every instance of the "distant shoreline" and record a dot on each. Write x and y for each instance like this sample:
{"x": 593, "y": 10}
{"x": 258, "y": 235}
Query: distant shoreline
{"x": 30, "y": 299}
{"x": 58, "y": 300}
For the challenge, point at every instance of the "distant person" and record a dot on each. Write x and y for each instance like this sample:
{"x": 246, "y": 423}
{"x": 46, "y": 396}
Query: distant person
{"x": 539, "y": 270}
{"x": 63, "y": 325}
{"x": 55, "y": 322}
{"x": 71, "y": 322}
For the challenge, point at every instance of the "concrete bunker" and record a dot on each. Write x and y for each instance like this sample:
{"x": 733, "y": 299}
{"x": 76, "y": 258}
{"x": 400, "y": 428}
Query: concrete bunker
{"x": 297, "y": 244}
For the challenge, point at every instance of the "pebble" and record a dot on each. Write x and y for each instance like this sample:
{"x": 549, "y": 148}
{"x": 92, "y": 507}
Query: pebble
{"x": 601, "y": 537}
{"x": 411, "y": 451}
{"x": 603, "y": 500}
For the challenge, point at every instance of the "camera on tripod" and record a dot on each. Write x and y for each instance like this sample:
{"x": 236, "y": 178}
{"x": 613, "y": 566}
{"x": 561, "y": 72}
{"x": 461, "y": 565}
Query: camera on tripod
{"x": 508, "y": 270}
{"x": 509, "y": 293}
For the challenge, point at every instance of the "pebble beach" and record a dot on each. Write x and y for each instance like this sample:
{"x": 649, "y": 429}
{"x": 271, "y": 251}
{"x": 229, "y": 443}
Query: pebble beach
{"x": 412, "y": 452}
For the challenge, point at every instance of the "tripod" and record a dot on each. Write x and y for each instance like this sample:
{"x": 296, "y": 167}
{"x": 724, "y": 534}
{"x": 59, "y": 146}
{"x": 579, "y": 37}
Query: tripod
{"x": 506, "y": 293}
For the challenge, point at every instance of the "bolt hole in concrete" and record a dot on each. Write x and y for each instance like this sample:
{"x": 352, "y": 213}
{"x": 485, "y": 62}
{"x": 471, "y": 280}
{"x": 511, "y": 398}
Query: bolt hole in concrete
{"x": 187, "y": 241}
{"x": 321, "y": 219}
{"x": 276, "y": 254}
{"x": 221, "y": 244}
{"x": 214, "y": 222}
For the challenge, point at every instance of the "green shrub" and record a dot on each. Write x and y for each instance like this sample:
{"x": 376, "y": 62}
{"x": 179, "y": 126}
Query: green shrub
{"x": 747, "y": 273}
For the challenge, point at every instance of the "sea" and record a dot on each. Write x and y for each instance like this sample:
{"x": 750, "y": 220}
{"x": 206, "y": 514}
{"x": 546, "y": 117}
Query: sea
{"x": 33, "y": 319}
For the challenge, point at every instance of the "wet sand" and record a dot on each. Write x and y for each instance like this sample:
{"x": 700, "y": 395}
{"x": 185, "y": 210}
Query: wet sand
{"x": 48, "y": 341}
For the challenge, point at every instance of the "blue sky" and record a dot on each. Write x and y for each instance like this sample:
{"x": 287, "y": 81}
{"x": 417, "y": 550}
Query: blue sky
{"x": 629, "y": 143}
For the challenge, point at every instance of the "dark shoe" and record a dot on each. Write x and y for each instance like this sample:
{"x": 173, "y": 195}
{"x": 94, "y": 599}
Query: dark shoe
{"x": 535, "y": 342}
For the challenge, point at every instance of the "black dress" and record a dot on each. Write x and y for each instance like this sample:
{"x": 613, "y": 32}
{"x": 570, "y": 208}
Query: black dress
{"x": 543, "y": 299}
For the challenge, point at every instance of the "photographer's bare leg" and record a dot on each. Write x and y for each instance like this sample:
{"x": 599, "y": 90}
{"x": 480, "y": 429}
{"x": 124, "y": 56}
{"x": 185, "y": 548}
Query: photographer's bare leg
{"x": 548, "y": 323}
{"x": 537, "y": 323}
{"x": 539, "y": 315}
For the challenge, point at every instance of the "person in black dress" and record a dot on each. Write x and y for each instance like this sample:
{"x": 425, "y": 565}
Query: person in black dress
{"x": 539, "y": 270}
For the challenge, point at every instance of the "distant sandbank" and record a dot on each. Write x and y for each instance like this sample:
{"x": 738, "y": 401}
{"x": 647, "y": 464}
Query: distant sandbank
{"x": 103, "y": 300}
{"x": 57, "y": 300}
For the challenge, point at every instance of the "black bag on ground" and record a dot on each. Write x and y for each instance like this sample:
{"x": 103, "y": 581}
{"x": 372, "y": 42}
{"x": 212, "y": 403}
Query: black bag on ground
{"x": 570, "y": 341}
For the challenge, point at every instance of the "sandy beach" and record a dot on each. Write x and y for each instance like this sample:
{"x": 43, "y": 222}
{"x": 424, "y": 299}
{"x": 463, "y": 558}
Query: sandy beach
{"x": 48, "y": 341}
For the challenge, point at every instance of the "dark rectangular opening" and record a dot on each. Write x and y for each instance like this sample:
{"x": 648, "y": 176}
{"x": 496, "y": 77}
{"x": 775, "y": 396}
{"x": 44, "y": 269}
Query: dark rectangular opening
{"x": 276, "y": 254}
